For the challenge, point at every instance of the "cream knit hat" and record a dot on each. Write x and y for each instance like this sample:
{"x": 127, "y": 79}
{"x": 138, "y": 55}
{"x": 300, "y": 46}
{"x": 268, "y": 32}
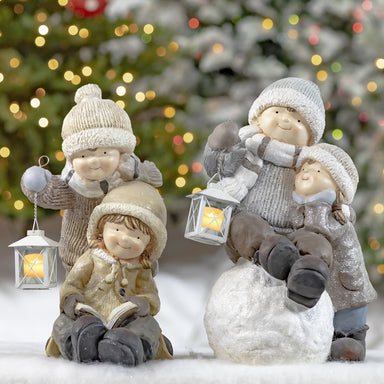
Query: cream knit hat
{"x": 137, "y": 199}
{"x": 95, "y": 122}
{"x": 339, "y": 165}
{"x": 300, "y": 94}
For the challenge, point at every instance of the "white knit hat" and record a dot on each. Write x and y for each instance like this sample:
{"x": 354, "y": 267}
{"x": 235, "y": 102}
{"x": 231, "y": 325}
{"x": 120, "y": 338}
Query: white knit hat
{"x": 339, "y": 165}
{"x": 95, "y": 122}
{"x": 137, "y": 199}
{"x": 302, "y": 95}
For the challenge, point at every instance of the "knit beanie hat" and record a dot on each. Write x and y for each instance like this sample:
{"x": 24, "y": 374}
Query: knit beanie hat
{"x": 95, "y": 122}
{"x": 137, "y": 199}
{"x": 302, "y": 95}
{"x": 338, "y": 163}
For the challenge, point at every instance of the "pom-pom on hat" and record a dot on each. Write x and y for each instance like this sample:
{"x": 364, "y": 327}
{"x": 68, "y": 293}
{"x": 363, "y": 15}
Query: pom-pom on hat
{"x": 95, "y": 122}
{"x": 338, "y": 163}
{"x": 302, "y": 95}
{"x": 137, "y": 199}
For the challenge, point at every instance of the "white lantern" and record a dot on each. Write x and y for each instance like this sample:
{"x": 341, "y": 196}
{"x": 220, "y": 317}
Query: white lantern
{"x": 209, "y": 216}
{"x": 35, "y": 261}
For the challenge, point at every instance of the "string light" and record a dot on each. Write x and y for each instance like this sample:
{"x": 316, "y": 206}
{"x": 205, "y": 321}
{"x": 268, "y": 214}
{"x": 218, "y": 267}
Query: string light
{"x": 267, "y": 24}
{"x": 140, "y": 97}
{"x": 35, "y": 102}
{"x": 378, "y": 208}
{"x": 19, "y": 205}
{"x": 41, "y": 17}
{"x": 337, "y": 134}
{"x": 379, "y": 63}
{"x": 161, "y": 51}
{"x": 84, "y": 33}
{"x": 336, "y": 67}
{"x": 316, "y": 59}
{"x": 173, "y": 46}
{"x": 111, "y": 74}
{"x": 39, "y": 41}
{"x": 180, "y": 182}
{"x": 43, "y": 30}
{"x": 63, "y": 3}
{"x": 43, "y": 122}
{"x": 121, "y": 90}
{"x": 5, "y": 152}
{"x": 133, "y": 28}
{"x": 53, "y": 64}
{"x": 86, "y": 71}
{"x": 169, "y": 112}
{"x": 177, "y": 140}
{"x": 1, "y": 77}
{"x": 197, "y": 167}
{"x": 150, "y": 95}
{"x": 127, "y": 77}
{"x": 59, "y": 155}
{"x": 73, "y": 30}
{"x": 356, "y": 101}
{"x": 14, "y": 108}
{"x": 293, "y": 19}
{"x": 121, "y": 104}
{"x": 196, "y": 189}
{"x": 188, "y": 137}
{"x": 357, "y": 27}
{"x": 217, "y": 48}
{"x": 322, "y": 75}
{"x": 372, "y": 86}
{"x": 68, "y": 75}
{"x": 14, "y": 62}
{"x": 76, "y": 80}
{"x": 183, "y": 169}
{"x": 193, "y": 23}
{"x": 148, "y": 29}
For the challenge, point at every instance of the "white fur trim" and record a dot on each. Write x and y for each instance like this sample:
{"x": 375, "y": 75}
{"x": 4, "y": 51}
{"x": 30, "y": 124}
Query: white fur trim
{"x": 104, "y": 256}
{"x": 99, "y": 137}
{"x": 143, "y": 214}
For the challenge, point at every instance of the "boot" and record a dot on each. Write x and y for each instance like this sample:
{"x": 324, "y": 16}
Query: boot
{"x": 277, "y": 254}
{"x": 307, "y": 280}
{"x": 87, "y": 331}
{"x": 121, "y": 346}
{"x": 350, "y": 346}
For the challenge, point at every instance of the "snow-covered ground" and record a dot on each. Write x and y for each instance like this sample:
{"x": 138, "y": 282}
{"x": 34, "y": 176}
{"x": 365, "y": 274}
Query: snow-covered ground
{"x": 187, "y": 273}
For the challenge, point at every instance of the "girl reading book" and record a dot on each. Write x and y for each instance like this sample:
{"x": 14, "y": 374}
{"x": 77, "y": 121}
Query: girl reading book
{"x": 126, "y": 234}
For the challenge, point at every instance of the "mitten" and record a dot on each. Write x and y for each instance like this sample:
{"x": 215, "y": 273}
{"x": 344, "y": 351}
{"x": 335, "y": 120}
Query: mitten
{"x": 224, "y": 136}
{"x": 36, "y": 178}
{"x": 142, "y": 305}
{"x": 70, "y": 305}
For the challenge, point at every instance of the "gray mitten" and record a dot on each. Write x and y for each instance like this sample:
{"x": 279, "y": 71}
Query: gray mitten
{"x": 143, "y": 307}
{"x": 36, "y": 178}
{"x": 70, "y": 305}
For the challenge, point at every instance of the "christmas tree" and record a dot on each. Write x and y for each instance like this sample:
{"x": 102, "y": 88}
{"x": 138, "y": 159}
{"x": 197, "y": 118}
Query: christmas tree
{"x": 179, "y": 68}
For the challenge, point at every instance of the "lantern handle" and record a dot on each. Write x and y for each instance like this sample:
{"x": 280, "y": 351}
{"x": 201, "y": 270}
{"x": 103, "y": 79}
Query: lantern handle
{"x": 41, "y": 158}
{"x": 42, "y": 164}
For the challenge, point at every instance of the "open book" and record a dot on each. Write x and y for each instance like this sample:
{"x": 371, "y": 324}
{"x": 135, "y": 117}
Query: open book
{"x": 115, "y": 318}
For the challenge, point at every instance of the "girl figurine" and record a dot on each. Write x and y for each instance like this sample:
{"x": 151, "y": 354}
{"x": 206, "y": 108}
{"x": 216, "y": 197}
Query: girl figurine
{"x": 326, "y": 182}
{"x": 126, "y": 234}
{"x": 98, "y": 144}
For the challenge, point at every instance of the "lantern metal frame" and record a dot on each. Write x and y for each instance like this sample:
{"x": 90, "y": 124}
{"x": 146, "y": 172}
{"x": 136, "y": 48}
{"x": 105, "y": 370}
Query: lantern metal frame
{"x": 211, "y": 198}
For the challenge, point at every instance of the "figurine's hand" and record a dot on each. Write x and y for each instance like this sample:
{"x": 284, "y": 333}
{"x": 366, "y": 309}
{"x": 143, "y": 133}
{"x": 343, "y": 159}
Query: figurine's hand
{"x": 224, "y": 136}
{"x": 248, "y": 131}
{"x": 70, "y": 305}
{"x": 36, "y": 178}
{"x": 142, "y": 305}
{"x": 149, "y": 173}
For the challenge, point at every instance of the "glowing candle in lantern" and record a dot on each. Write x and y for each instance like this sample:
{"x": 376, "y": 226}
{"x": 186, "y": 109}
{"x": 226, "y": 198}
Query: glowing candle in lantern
{"x": 212, "y": 218}
{"x": 33, "y": 265}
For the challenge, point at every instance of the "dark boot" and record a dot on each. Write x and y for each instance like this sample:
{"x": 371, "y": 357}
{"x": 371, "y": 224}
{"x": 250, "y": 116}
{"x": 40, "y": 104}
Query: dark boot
{"x": 277, "y": 254}
{"x": 87, "y": 331}
{"x": 350, "y": 346}
{"x": 121, "y": 346}
{"x": 307, "y": 280}
{"x": 168, "y": 344}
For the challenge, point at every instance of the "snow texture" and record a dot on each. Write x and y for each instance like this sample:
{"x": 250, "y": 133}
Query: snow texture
{"x": 250, "y": 320}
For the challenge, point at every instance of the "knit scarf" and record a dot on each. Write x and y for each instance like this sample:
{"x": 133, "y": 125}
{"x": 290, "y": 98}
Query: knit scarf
{"x": 260, "y": 148}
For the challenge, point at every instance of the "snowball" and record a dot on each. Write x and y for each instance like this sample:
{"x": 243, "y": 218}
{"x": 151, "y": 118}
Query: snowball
{"x": 250, "y": 320}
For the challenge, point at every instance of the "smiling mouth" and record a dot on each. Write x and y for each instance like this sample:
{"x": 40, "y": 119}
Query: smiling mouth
{"x": 124, "y": 247}
{"x": 284, "y": 129}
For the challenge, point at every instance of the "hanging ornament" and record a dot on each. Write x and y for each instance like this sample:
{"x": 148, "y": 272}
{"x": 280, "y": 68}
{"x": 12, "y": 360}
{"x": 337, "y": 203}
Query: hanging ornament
{"x": 35, "y": 256}
{"x": 87, "y": 8}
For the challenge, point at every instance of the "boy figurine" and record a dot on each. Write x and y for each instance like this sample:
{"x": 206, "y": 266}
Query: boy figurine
{"x": 126, "y": 234}
{"x": 98, "y": 144}
{"x": 324, "y": 187}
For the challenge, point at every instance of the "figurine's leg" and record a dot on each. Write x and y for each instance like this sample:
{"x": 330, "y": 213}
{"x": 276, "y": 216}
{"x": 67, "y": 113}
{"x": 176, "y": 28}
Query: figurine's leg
{"x": 87, "y": 331}
{"x": 61, "y": 334}
{"x": 349, "y": 338}
{"x": 309, "y": 275}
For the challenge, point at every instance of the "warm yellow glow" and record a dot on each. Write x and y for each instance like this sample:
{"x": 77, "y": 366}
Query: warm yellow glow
{"x": 59, "y": 155}
{"x": 14, "y": 108}
{"x": 120, "y": 90}
{"x": 5, "y": 152}
{"x": 68, "y": 75}
{"x": 316, "y": 60}
{"x": 84, "y": 33}
{"x": 148, "y": 29}
{"x": 119, "y": 31}
{"x": 378, "y": 208}
{"x": 33, "y": 265}
{"x": 19, "y": 205}
{"x": 372, "y": 86}
{"x": 173, "y": 46}
{"x": 63, "y": 3}
{"x": 322, "y": 75}
{"x": 53, "y": 64}
{"x": 73, "y": 30}
{"x": 380, "y": 268}
{"x": 150, "y": 95}
{"x": 140, "y": 97}
{"x": 379, "y": 63}
{"x": 120, "y": 103}
{"x": 267, "y": 23}
{"x": 111, "y": 74}
{"x": 40, "y": 92}
{"x": 35, "y": 102}
{"x": 188, "y": 137}
{"x": 14, "y": 62}
{"x": 161, "y": 51}
{"x": 43, "y": 30}
{"x": 43, "y": 122}
{"x": 127, "y": 77}
{"x": 212, "y": 218}
{"x": 183, "y": 169}
{"x": 41, "y": 17}
{"x": 1, "y": 77}
{"x": 76, "y": 80}
{"x": 196, "y": 189}
{"x": 39, "y": 41}
{"x": 86, "y": 71}
{"x": 217, "y": 48}
{"x": 373, "y": 243}
{"x": 356, "y": 101}
{"x": 180, "y": 182}
{"x": 169, "y": 112}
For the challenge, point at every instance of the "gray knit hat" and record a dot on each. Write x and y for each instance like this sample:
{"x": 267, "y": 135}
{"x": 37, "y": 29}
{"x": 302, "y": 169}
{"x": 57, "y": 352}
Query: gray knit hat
{"x": 137, "y": 199}
{"x": 302, "y": 95}
{"x": 339, "y": 165}
{"x": 95, "y": 122}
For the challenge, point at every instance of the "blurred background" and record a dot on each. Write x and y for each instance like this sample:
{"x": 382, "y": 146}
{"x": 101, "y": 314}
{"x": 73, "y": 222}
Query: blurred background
{"x": 179, "y": 68}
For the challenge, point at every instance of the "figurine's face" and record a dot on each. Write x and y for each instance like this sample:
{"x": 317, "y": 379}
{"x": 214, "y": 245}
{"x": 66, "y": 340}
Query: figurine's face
{"x": 312, "y": 179}
{"x": 123, "y": 243}
{"x": 285, "y": 125}
{"x": 96, "y": 164}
